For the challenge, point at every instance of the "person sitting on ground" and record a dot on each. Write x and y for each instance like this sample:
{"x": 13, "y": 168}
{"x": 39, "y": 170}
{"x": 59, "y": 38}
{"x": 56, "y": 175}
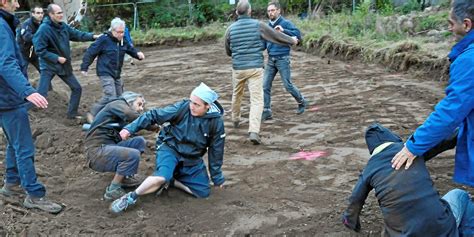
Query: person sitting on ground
{"x": 196, "y": 127}
{"x": 105, "y": 150}
{"x": 409, "y": 202}
{"x": 110, "y": 49}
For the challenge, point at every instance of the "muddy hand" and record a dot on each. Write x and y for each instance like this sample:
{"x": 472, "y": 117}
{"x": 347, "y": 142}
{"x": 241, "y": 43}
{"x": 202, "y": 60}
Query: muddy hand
{"x": 124, "y": 134}
{"x": 401, "y": 157}
{"x": 38, "y": 100}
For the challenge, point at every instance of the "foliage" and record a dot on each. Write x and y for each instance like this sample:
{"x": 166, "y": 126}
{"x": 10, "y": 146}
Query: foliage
{"x": 436, "y": 21}
{"x": 411, "y": 5}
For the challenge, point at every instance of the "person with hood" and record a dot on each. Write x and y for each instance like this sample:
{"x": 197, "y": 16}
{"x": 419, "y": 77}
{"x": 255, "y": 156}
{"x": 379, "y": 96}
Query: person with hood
{"x": 110, "y": 49}
{"x": 105, "y": 150}
{"x": 195, "y": 127}
{"x": 15, "y": 95}
{"x": 410, "y": 204}
{"x": 456, "y": 109}
{"x": 52, "y": 46}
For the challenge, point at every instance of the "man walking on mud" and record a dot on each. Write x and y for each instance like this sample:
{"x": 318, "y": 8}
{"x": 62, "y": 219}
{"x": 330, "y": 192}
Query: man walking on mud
{"x": 25, "y": 37}
{"x": 279, "y": 61}
{"x": 245, "y": 42}
{"x": 51, "y": 43}
{"x": 456, "y": 110}
{"x": 15, "y": 92}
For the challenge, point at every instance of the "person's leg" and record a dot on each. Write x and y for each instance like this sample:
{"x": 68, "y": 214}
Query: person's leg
{"x": 238, "y": 83}
{"x": 269, "y": 76}
{"x": 256, "y": 99}
{"x": 193, "y": 180}
{"x": 118, "y": 87}
{"x": 463, "y": 210}
{"x": 109, "y": 93}
{"x": 45, "y": 80}
{"x": 76, "y": 91}
{"x": 283, "y": 65}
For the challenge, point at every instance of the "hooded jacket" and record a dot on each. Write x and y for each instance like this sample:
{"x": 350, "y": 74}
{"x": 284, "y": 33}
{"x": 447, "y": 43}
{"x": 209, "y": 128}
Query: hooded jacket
{"x": 456, "y": 110}
{"x": 191, "y": 137}
{"x": 14, "y": 85}
{"x": 51, "y": 41}
{"x": 410, "y": 204}
{"x": 25, "y": 37}
{"x": 110, "y": 52}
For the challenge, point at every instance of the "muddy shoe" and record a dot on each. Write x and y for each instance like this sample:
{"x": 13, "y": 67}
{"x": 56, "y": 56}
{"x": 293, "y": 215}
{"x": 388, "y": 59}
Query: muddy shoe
{"x": 122, "y": 203}
{"x": 42, "y": 204}
{"x": 131, "y": 181}
{"x": 236, "y": 124}
{"x": 9, "y": 190}
{"x": 255, "y": 138}
{"x": 267, "y": 115}
{"x": 113, "y": 193}
{"x": 302, "y": 107}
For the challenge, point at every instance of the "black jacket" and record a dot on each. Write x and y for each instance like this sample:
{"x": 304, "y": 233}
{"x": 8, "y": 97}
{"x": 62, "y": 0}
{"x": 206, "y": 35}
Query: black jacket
{"x": 24, "y": 37}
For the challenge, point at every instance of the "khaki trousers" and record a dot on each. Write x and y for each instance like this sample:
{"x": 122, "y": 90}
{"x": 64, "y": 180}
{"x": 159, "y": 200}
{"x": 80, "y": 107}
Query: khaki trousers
{"x": 254, "y": 77}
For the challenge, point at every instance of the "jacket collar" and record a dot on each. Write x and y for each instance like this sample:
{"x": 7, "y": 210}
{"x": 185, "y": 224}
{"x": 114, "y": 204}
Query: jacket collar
{"x": 459, "y": 48}
{"x": 275, "y": 22}
{"x": 243, "y": 17}
{"x": 48, "y": 20}
{"x": 111, "y": 36}
{"x": 11, "y": 20}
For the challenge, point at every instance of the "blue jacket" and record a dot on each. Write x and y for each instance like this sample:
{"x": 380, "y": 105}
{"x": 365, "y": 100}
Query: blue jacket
{"x": 191, "y": 137}
{"x": 14, "y": 85}
{"x": 25, "y": 35}
{"x": 51, "y": 41}
{"x": 410, "y": 204}
{"x": 289, "y": 29}
{"x": 453, "y": 111}
{"x": 110, "y": 52}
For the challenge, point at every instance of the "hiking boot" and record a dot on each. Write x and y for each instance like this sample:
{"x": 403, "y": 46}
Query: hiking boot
{"x": 42, "y": 204}
{"x": 254, "y": 138}
{"x": 162, "y": 188}
{"x": 267, "y": 115}
{"x": 301, "y": 106}
{"x": 112, "y": 194}
{"x": 122, "y": 203}
{"x": 236, "y": 124}
{"x": 131, "y": 181}
{"x": 9, "y": 190}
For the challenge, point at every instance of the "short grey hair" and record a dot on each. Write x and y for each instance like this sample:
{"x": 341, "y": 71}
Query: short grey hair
{"x": 243, "y": 7}
{"x": 116, "y": 22}
{"x": 463, "y": 9}
{"x": 131, "y": 96}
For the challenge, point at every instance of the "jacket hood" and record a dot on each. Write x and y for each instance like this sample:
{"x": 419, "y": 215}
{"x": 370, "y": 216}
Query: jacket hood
{"x": 376, "y": 135}
{"x": 216, "y": 110}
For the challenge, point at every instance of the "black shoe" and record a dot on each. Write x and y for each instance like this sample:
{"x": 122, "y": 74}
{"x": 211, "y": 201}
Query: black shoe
{"x": 302, "y": 106}
{"x": 131, "y": 181}
{"x": 236, "y": 124}
{"x": 267, "y": 115}
{"x": 255, "y": 138}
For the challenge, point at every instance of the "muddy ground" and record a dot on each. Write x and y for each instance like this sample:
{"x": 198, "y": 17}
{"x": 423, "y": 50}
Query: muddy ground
{"x": 266, "y": 192}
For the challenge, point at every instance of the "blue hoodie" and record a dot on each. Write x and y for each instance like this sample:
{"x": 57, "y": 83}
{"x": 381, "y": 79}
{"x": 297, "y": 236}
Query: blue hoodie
{"x": 290, "y": 30}
{"x": 14, "y": 85}
{"x": 191, "y": 137}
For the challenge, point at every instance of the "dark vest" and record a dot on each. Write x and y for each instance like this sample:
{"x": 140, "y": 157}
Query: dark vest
{"x": 246, "y": 44}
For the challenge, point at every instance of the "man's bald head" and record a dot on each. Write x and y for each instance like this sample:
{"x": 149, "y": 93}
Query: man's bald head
{"x": 55, "y": 13}
{"x": 243, "y": 8}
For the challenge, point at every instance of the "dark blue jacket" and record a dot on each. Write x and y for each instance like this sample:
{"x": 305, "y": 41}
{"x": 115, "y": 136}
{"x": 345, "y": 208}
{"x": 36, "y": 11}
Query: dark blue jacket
{"x": 289, "y": 29}
{"x": 190, "y": 137}
{"x": 14, "y": 85}
{"x": 51, "y": 41}
{"x": 110, "y": 52}
{"x": 410, "y": 204}
{"x": 453, "y": 111}
{"x": 25, "y": 35}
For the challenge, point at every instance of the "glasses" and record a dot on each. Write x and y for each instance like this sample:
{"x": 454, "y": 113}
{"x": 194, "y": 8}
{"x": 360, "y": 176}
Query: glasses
{"x": 119, "y": 32}
{"x": 58, "y": 13}
{"x": 40, "y": 13}
{"x": 272, "y": 10}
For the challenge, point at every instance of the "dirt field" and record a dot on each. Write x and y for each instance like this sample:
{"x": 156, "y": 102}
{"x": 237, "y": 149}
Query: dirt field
{"x": 266, "y": 192}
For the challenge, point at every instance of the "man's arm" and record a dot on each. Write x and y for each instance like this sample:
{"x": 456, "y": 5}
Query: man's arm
{"x": 227, "y": 42}
{"x": 290, "y": 29}
{"x": 269, "y": 34}
{"x": 215, "y": 154}
{"x": 351, "y": 216}
{"x": 26, "y": 32}
{"x": 91, "y": 53}
{"x": 40, "y": 42}
{"x": 77, "y": 35}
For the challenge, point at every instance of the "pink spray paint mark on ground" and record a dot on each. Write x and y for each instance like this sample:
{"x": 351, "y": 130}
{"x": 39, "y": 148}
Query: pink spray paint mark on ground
{"x": 308, "y": 155}
{"x": 313, "y": 109}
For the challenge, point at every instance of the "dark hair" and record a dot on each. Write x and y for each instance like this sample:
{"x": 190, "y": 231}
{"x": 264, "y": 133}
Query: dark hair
{"x": 276, "y": 4}
{"x": 243, "y": 7}
{"x": 463, "y": 9}
{"x": 34, "y": 7}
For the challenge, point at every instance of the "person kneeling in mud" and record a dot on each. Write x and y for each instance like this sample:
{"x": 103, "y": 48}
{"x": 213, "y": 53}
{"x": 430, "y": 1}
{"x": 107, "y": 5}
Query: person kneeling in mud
{"x": 105, "y": 150}
{"x": 195, "y": 127}
{"x": 410, "y": 204}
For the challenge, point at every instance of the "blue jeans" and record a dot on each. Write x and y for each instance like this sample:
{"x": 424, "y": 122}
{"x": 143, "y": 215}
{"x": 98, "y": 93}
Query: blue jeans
{"x": 278, "y": 64}
{"x": 112, "y": 88}
{"x": 169, "y": 166}
{"x": 71, "y": 81}
{"x": 463, "y": 210}
{"x": 19, "y": 160}
{"x": 122, "y": 158}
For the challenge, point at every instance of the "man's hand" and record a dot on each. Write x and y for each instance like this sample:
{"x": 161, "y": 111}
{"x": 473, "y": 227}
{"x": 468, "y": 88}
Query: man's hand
{"x": 279, "y": 28}
{"x": 84, "y": 73}
{"x": 38, "y": 100}
{"x": 401, "y": 157}
{"x": 141, "y": 56}
{"x": 295, "y": 40}
{"x": 124, "y": 134}
{"x": 62, "y": 60}
{"x": 96, "y": 36}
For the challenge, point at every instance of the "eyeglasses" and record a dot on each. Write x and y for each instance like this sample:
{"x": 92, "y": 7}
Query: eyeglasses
{"x": 41, "y": 13}
{"x": 119, "y": 32}
{"x": 58, "y": 13}
{"x": 272, "y": 10}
